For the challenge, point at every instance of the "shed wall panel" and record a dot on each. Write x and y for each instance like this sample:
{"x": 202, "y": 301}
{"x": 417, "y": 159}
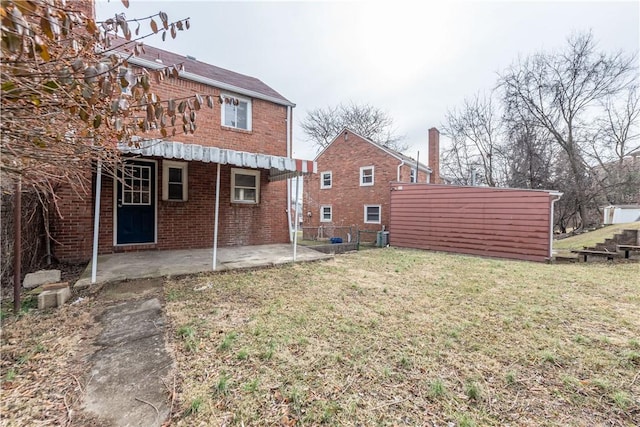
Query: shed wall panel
{"x": 504, "y": 223}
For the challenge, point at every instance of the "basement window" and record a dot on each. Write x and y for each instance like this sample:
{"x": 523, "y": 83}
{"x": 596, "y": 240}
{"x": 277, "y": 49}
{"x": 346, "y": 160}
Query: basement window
{"x": 245, "y": 186}
{"x": 372, "y": 214}
{"x": 366, "y": 175}
{"x": 325, "y": 214}
{"x": 174, "y": 181}
{"x": 326, "y": 179}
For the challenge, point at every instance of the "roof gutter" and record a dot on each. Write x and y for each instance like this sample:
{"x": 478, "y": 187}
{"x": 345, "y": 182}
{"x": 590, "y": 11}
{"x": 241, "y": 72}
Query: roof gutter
{"x": 210, "y": 82}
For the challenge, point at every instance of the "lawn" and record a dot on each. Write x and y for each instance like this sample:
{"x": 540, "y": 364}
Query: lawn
{"x": 404, "y": 337}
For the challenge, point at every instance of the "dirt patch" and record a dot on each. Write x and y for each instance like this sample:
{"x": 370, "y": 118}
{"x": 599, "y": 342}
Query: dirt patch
{"x": 132, "y": 289}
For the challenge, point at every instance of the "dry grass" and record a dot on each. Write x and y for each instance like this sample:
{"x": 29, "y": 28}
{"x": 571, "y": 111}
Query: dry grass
{"x": 592, "y": 237}
{"x": 43, "y": 368}
{"x": 402, "y": 337}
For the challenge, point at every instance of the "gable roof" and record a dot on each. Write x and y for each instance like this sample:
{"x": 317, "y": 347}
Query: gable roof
{"x": 393, "y": 153}
{"x": 155, "y": 58}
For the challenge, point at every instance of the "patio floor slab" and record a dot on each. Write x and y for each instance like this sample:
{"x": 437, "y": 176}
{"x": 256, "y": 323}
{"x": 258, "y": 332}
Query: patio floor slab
{"x": 149, "y": 264}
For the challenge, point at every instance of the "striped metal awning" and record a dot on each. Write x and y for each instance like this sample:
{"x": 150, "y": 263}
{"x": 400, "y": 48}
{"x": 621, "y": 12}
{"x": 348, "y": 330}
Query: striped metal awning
{"x": 280, "y": 168}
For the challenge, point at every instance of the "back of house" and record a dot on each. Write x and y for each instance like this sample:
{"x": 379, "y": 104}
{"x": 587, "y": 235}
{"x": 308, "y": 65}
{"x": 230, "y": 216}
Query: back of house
{"x": 163, "y": 195}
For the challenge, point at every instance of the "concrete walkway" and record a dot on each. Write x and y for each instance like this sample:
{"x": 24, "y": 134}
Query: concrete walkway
{"x": 130, "y": 369}
{"x": 149, "y": 264}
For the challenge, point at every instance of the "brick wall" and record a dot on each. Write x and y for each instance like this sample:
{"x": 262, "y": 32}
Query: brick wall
{"x": 347, "y": 197}
{"x": 268, "y": 134}
{"x": 190, "y": 224}
{"x": 71, "y": 223}
{"x": 180, "y": 225}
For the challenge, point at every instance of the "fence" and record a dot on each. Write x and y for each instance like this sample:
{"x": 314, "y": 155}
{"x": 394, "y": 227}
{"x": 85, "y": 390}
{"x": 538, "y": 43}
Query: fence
{"x": 327, "y": 232}
{"x": 505, "y": 223}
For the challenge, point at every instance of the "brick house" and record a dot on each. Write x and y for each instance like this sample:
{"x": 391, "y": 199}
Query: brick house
{"x": 352, "y": 184}
{"x": 229, "y": 176}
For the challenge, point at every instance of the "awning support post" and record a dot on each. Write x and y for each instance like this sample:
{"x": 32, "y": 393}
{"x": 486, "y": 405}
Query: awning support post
{"x": 96, "y": 224}
{"x": 215, "y": 226}
{"x": 295, "y": 221}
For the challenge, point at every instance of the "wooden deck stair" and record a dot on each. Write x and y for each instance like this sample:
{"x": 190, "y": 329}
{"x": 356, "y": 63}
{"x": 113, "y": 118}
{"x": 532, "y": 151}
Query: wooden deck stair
{"x": 620, "y": 245}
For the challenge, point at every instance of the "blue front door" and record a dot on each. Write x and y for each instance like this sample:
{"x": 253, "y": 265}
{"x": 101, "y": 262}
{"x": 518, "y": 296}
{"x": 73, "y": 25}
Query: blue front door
{"x": 136, "y": 203}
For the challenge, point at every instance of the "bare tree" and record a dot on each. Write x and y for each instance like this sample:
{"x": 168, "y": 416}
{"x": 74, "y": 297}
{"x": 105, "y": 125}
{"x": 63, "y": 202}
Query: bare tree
{"x": 558, "y": 90}
{"x": 530, "y": 152}
{"x": 476, "y": 131}
{"x": 614, "y": 139}
{"x": 322, "y": 125}
{"x": 69, "y": 94}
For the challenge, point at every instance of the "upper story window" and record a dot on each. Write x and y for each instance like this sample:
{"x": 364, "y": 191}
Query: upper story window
{"x": 326, "y": 179}
{"x": 245, "y": 186}
{"x": 413, "y": 176}
{"x": 174, "y": 181}
{"x": 366, "y": 175}
{"x": 236, "y": 112}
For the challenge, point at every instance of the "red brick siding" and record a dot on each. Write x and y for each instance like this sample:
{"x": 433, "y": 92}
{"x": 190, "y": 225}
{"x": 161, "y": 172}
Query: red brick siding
{"x": 71, "y": 224}
{"x": 268, "y": 134}
{"x": 183, "y": 225}
{"x": 180, "y": 225}
{"x": 347, "y": 198}
{"x": 505, "y": 223}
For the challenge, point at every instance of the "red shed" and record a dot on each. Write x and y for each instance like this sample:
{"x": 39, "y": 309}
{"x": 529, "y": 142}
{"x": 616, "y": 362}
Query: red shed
{"x": 499, "y": 222}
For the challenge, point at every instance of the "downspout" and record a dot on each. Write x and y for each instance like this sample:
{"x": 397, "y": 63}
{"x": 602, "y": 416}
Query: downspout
{"x": 399, "y": 166}
{"x": 557, "y": 197}
{"x": 215, "y": 225}
{"x": 289, "y": 155}
{"x": 96, "y": 224}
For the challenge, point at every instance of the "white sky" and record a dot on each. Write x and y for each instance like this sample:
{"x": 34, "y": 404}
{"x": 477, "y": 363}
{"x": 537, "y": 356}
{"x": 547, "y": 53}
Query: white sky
{"x": 414, "y": 60}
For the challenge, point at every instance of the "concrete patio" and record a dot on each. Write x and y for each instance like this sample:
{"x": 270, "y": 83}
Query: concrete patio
{"x": 148, "y": 264}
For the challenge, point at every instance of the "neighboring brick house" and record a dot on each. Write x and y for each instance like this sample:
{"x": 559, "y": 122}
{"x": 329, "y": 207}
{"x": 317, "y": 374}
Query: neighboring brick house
{"x": 167, "y": 198}
{"x": 352, "y": 183}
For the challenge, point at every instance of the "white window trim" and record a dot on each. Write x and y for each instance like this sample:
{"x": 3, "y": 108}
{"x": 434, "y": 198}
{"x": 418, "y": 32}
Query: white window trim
{"x": 413, "y": 175}
{"x": 249, "y": 111}
{"x": 322, "y": 185}
{"x": 373, "y": 174}
{"x": 379, "y": 214}
{"x": 166, "y": 164}
{"x": 322, "y": 218}
{"x": 256, "y": 173}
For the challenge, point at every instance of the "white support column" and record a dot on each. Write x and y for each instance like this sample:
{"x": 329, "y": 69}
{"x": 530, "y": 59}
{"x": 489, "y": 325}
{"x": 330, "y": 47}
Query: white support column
{"x": 96, "y": 224}
{"x": 215, "y": 226}
{"x": 295, "y": 221}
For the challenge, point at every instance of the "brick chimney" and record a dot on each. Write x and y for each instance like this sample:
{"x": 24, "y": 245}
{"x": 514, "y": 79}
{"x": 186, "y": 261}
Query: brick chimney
{"x": 434, "y": 155}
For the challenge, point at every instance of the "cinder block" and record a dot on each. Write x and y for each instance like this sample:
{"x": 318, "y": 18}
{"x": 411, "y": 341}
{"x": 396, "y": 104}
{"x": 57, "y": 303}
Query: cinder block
{"x": 42, "y": 277}
{"x": 53, "y": 298}
{"x": 47, "y": 299}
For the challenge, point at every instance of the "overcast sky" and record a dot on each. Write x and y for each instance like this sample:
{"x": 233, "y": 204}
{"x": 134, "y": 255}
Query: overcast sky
{"x": 414, "y": 60}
